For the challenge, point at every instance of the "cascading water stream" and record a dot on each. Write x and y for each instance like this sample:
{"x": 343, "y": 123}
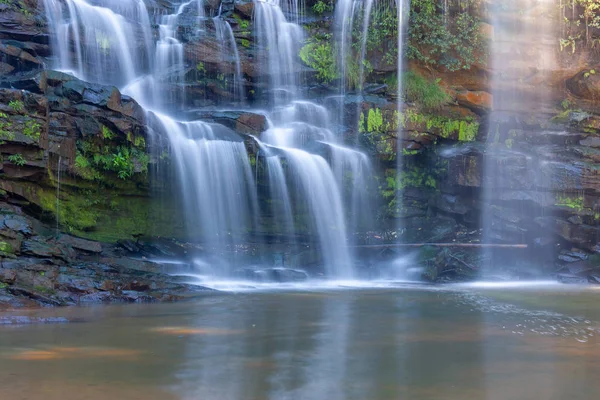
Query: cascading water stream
{"x": 279, "y": 42}
{"x": 301, "y": 134}
{"x": 403, "y": 7}
{"x": 155, "y": 89}
{"x": 101, "y": 40}
{"x": 367, "y": 7}
{"x": 228, "y": 45}
{"x": 346, "y": 13}
{"x": 215, "y": 179}
{"x": 307, "y": 168}
{"x": 524, "y": 39}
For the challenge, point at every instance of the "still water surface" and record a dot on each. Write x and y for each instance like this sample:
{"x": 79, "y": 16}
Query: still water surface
{"x": 405, "y": 342}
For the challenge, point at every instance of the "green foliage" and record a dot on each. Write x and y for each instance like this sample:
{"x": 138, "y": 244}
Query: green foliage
{"x": 374, "y": 120}
{"x": 124, "y": 161}
{"x": 245, "y": 43}
{"x": 454, "y": 42}
{"x": 354, "y": 79}
{"x": 319, "y": 55}
{"x": 409, "y": 177}
{"x": 139, "y": 142}
{"x": 5, "y": 128}
{"x": 321, "y": 7}
{"x": 575, "y": 203}
{"x": 16, "y": 105}
{"x": 424, "y": 92}
{"x": 200, "y": 67}
{"x": 378, "y": 121}
{"x": 5, "y": 248}
{"x": 21, "y": 6}
{"x": 243, "y": 24}
{"x": 566, "y": 104}
{"x": 464, "y": 130}
{"x": 107, "y": 133}
{"x": 454, "y": 45}
{"x": 581, "y": 19}
{"x": 382, "y": 33}
{"x": 361, "y": 123}
{"x": 17, "y": 159}
{"x": 32, "y": 130}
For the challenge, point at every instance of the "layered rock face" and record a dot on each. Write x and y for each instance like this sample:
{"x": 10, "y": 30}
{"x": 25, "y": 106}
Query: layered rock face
{"x": 510, "y": 146}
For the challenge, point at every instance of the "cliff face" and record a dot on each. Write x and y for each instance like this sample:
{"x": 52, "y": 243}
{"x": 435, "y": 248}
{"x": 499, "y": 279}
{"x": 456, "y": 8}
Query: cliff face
{"x": 533, "y": 101}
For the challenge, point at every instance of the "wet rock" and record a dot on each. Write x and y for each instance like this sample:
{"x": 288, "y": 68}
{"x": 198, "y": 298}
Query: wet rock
{"x": 594, "y": 278}
{"x": 280, "y": 275}
{"x": 580, "y": 268}
{"x": 567, "y": 258}
{"x": 239, "y": 121}
{"x": 245, "y": 7}
{"x": 137, "y": 297}
{"x": 16, "y": 223}
{"x": 19, "y": 59}
{"x": 580, "y": 235}
{"x": 574, "y": 255}
{"x": 25, "y": 320}
{"x": 80, "y": 244}
{"x": 585, "y": 84}
{"x": 478, "y": 101}
{"x": 572, "y": 279}
{"x": 375, "y": 89}
{"x": 37, "y": 246}
{"x": 451, "y": 204}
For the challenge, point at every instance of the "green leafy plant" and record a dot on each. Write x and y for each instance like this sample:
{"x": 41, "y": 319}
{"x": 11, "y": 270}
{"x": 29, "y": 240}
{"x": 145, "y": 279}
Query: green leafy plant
{"x": 107, "y": 133}
{"x": 574, "y": 203}
{"x": 319, "y": 55}
{"x": 581, "y": 21}
{"x": 32, "y": 130}
{"x": 16, "y": 105}
{"x": 321, "y": 7}
{"x": 17, "y": 159}
{"x": 5, "y": 128}
{"x": 427, "y": 93}
{"x": 454, "y": 45}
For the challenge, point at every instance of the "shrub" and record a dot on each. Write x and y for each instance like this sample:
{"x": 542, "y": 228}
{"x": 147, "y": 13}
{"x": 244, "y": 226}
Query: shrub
{"x": 320, "y": 56}
{"x": 426, "y": 93}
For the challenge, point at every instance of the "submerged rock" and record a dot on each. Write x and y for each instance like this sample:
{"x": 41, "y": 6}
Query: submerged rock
{"x": 280, "y": 275}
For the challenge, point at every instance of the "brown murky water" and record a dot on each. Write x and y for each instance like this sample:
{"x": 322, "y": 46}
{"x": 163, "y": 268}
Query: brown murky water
{"x": 371, "y": 344}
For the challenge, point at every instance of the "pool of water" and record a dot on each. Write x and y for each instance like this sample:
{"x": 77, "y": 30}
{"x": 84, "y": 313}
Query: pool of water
{"x": 316, "y": 342}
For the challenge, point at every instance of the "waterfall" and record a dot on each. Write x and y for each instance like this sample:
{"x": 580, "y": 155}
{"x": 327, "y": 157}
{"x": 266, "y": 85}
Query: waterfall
{"x": 282, "y": 209}
{"x": 312, "y": 177}
{"x": 227, "y": 44}
{"x": 215, "y": 179}
{"x": 301, "y": 134}
{"x": 102, "y": 39}
{"x": 279, "y": 42}
{"x": 346, "y": 12}
{"x": 403, "y": 8}
{"x": 523, "y": 40}
{"x": 155, "y": 90}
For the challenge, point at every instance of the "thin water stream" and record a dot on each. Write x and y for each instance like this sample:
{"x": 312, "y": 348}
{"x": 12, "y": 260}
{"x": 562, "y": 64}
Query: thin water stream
{"x": 383, "y": 343}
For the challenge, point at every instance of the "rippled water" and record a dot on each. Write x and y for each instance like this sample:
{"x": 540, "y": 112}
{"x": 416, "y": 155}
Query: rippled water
{"x": 379, "y": 343}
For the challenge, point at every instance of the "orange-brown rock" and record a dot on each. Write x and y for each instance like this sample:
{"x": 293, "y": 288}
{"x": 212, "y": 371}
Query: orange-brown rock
{"x": 478, "y": 101}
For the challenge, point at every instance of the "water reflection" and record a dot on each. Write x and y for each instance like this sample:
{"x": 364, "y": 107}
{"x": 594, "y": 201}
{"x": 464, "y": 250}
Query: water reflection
{"x": 357, "y": 344}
